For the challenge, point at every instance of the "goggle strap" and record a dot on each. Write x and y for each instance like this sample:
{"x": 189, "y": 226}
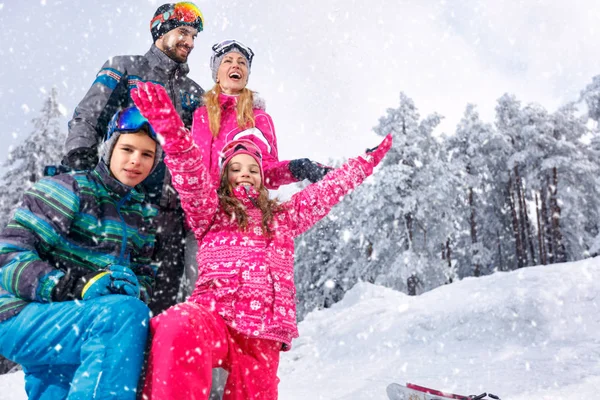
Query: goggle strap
{"x": 227, "y": 45}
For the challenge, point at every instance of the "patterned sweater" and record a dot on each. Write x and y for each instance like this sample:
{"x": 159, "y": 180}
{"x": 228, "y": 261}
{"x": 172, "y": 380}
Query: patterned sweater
{"x": 77, "y": 224}
{"x": 245, "y": 277}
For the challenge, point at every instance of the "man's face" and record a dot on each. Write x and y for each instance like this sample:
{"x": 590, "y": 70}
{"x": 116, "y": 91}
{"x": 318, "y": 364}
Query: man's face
{"x": 178, "y": 43}
{"x": 132, "y": 158}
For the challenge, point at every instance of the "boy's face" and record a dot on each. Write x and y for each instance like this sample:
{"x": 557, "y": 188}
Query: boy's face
{"x": 243, "y": 169}
{"x": 132, "y": 158}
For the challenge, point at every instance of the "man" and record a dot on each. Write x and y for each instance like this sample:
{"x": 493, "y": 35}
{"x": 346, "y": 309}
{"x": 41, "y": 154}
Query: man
{"x": 174, "y": 28}
{"x": 74, "y": 265}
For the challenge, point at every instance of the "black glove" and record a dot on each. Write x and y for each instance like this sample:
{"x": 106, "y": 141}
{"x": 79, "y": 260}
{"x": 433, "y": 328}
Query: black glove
{"x": 81, "y": 158}
{"x": 303, "y": 168}
{"x": 64, "y": 290}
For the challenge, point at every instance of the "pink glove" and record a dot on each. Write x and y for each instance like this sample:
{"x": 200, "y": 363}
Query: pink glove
{"x": 154, "y": 103}
{"x": 373, "y": 157}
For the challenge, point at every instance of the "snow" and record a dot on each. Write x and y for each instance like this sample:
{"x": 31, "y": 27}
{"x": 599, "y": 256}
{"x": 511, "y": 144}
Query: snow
{"x": 530, "y": 333}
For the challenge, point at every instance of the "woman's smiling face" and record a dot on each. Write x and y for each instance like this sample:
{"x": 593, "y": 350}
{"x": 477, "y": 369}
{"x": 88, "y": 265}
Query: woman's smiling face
{"x": 232, "y": 74}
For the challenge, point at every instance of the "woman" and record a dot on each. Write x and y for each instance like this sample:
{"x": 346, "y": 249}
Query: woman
{"x": 231, "y": 111}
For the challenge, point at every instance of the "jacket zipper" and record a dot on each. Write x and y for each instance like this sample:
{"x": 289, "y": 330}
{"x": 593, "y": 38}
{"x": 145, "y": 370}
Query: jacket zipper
{"x": 166, "y": 190}
{"x": 124, "y": 240}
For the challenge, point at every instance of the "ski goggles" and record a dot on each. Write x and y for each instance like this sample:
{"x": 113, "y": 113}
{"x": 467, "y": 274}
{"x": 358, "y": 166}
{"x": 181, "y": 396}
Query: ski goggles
{"x": 239, "y": 147}
{"x": 226, "y": 46}
{"x": 129, "y": 120}
{"x": 185, "y": 12}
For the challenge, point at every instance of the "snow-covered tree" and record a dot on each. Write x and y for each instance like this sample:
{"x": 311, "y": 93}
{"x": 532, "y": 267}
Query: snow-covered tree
{"x": 470, "y": 151}
{"x": 573, "y": 168}
{"x": 26, "y": 161}
{"x": 525, "y": 191}
{"x": 591, "y": 96}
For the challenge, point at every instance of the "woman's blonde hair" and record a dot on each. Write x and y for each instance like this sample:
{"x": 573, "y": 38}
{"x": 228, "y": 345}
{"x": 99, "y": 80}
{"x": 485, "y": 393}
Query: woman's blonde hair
{"x": 244, "y": 109}
{"x": 236, "y": 210}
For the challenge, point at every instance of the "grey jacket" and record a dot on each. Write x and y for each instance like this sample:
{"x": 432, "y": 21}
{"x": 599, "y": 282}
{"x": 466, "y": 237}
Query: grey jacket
{"x": 110, "y": 92}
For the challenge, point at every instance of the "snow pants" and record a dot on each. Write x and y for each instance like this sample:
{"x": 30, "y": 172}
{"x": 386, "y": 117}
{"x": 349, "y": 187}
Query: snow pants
{"x": 79, "y": 350}
{"x": 188, "y": 341}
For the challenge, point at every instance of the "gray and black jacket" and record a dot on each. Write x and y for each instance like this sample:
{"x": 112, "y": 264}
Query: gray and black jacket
{"x": 110, "y": 93}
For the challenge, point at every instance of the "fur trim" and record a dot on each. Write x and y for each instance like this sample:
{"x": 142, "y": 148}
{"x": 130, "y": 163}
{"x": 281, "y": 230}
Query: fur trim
{"x": 258, "y": 102}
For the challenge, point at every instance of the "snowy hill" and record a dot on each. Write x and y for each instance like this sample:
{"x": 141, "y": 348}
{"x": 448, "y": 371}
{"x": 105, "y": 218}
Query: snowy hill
{"x": 527, "y": 334}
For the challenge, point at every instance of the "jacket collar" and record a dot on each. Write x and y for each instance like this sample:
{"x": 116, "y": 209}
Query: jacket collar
{"x": 230, "y": 101}
{"x": 114, "y": 187}
{"x": 161, "y": 61}
{"x": 246, "y": 195}
{"x": 227, "y": 101}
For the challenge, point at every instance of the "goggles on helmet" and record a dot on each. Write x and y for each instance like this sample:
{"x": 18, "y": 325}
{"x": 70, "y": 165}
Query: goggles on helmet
{"x": 228, "y": 45}
{"x": 129, "y": 120}
{"x": 239, "y": 146}
{"x": 183, "y": 11}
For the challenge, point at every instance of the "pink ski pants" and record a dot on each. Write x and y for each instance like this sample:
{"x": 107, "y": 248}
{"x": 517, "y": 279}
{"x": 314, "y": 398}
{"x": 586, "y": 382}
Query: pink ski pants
{"x": 188, "y": 341}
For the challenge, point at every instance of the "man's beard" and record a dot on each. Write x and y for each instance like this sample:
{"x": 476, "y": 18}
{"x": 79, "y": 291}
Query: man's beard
{"x": 172, "y": 52}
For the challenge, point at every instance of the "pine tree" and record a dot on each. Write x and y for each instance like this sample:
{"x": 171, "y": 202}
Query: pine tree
{"x": 26, "y": 162}
{"x": 470, "y": 156}
{"x": 574, "y": 169}
{"x": 591, "y": 96}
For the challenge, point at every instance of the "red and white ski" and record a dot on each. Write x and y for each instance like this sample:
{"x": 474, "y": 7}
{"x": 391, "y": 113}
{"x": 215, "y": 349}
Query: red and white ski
{"x": 411, "y": 391}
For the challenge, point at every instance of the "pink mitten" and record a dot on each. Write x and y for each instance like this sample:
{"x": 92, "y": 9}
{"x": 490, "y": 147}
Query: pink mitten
{"x": 373, "y": 156}
{"x": 154, "y": 104}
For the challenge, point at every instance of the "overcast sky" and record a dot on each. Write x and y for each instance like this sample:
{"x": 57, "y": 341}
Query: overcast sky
{"x": 328, "y": 69}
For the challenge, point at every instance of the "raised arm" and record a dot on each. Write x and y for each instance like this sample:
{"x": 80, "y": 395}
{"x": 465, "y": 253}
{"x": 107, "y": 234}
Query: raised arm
{"x": 313, "y": 203}
{"x": 197, "y": 192}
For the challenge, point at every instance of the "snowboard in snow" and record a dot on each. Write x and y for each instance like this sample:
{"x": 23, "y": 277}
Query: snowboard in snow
{"x": 411, "y": 391}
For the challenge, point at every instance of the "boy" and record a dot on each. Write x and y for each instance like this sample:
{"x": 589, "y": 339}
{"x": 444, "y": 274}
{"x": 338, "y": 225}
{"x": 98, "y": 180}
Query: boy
{"x": 75, "y": 272}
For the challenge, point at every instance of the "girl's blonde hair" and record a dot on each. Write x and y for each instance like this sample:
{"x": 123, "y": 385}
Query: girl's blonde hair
{"x": 236, "y": 210}
{"x": 244, "y": 109}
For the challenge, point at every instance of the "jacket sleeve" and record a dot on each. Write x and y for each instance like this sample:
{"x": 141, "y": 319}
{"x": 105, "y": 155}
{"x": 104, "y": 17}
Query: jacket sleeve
{"x": 197, "y": 191}
{"x": 39, "y": 224}
{"x": 93, "y": 113}
{"x": 314, "y": 202}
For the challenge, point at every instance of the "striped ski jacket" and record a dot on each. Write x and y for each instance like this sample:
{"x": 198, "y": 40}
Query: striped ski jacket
{"x": 76, "y": 224}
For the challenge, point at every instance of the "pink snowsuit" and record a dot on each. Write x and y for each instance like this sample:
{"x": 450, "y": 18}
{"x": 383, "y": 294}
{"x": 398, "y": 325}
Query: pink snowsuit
{"x": 242, "y": 312}
{"x": 276, "y": 172}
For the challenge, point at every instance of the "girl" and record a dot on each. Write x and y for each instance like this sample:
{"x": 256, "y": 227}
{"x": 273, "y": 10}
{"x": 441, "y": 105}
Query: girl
{"x": 242, "y": 312}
